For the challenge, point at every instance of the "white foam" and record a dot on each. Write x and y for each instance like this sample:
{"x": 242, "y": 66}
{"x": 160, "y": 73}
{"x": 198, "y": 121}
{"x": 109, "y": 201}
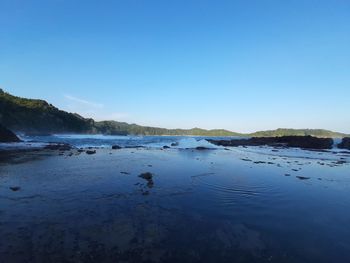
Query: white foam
{"x": 193, "y": 143}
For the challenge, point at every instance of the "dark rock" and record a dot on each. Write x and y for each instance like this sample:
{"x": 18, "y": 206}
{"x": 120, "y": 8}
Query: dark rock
{"x": 302, "y": 178}
{"x": 90, "y": 152}
{"x": 306, "y": 142}
{"x": 15, "y": 188}
{"x": 148, "y": 177}
{"x": 175, "y": 144}
{"x": 287, "y": 175}
{"x": 201, "y": 148}
{"x": 124, "y": 173}
{"x": 345, "y": 143}
{"x": 166, "y": 147}
{"x": 7, "y": 136}
{"x": 116, "y": 147}
{"x": 58, "y": 147}
{"x": 340, "y": 162}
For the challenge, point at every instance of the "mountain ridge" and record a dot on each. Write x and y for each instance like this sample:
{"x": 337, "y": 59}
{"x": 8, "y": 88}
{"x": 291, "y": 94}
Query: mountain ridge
{"x": 36, "y": 116}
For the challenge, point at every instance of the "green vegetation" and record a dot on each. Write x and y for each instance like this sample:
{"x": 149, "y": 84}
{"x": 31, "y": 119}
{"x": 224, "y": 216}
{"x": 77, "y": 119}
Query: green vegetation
{"x": 298, "y": 132}
{"x": 38, "y": 117}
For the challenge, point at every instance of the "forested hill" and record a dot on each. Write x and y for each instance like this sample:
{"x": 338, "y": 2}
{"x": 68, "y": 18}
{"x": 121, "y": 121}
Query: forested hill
{"x": 31, "y": 116}
{"x": 298, "y": 132}
{"x": 35, "y": 116}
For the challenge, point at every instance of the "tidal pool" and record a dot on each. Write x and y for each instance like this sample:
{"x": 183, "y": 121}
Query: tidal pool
{"x": 254, "y": 204}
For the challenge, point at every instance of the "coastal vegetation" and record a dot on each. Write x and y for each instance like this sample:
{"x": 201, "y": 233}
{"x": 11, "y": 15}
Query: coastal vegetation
{"x": 34, "y": 116}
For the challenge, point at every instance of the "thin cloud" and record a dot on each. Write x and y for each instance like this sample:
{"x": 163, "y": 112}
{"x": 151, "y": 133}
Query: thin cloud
{"x": 85, "y": 102}
{"x": 89, "y": 109}
{"x": 114, "y": 116}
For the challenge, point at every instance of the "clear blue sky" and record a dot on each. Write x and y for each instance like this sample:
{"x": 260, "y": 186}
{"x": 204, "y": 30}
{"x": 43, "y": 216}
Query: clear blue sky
{"x": 239, "y": 65}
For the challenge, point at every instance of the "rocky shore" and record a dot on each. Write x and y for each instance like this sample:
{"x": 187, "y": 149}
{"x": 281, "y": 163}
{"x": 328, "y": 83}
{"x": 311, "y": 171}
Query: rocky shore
{"x": 305, "y": 142}
{"x": 345, "y": 144}
{"x": 7, "y": 136}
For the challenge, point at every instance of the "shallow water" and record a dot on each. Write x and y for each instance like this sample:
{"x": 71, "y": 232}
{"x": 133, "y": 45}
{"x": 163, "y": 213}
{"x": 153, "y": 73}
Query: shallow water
{"x": 237, "y": 205}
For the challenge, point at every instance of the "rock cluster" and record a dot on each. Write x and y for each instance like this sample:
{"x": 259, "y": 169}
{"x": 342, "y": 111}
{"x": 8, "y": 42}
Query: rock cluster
{"x": 306, "y": 142}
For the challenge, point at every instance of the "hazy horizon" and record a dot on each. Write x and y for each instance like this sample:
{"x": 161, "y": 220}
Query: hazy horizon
{"x": 237, "y": 66}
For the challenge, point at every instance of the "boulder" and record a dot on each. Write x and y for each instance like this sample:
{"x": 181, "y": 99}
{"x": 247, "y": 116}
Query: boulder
{"x": 345, "y": 143}
{"x": 90, "y": 152}
{"x": 7, "y": 136}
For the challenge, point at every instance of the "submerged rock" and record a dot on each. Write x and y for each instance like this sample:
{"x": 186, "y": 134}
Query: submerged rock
{"x": 7, "y": 136}
{"x": 15, "y": 188}
{"x": 201, "y": 148}
{"x": 303, "y": 177}
{"x": 306, "y": 142}
{"x": 148, "y": 177}
{"x": 90, "y": 152}
{"x": 58, "y": 147}
{"x": 345, "y": 143}
{"x": 116, "y": 147}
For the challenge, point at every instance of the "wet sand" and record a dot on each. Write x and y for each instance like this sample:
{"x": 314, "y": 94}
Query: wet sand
{"x": 234, "y": 205}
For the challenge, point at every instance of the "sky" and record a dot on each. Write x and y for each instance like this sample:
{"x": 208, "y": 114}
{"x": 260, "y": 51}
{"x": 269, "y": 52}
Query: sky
{"x": 239, "y": 65}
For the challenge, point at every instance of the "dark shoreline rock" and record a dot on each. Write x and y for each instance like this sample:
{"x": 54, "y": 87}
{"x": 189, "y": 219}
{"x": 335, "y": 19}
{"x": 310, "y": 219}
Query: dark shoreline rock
{"x": 202, "y": 148}
{"x": 7, "y": 136}
{"x": 345, "y": 143}
{"x": 305, "y": 142}
{"x": 90, "y": 152}
{"x": 148, "y": 177}
{"x": 58, "y": 147}
{"x": 116, "y": 147}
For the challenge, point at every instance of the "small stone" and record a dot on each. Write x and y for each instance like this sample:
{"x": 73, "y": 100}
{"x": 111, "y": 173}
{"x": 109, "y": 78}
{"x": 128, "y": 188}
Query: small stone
{"x": 303, "y": 177}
